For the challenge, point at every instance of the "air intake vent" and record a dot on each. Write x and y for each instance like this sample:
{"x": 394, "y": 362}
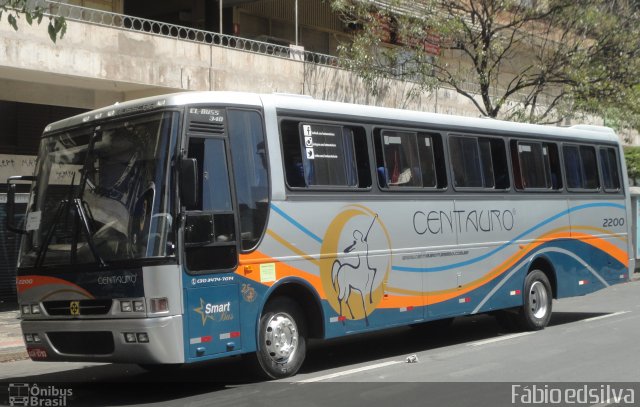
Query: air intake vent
{"x": 82, "y": 307}
{"x": 206, "y": 127}
{"x": 83, "y": 343}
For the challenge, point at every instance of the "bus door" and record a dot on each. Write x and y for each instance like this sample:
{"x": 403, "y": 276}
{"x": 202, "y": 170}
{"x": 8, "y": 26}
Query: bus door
{"x": 211, "y": 253}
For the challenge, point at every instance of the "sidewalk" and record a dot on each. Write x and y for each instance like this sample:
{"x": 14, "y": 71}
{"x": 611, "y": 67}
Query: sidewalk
{"x": 11, "y": 342}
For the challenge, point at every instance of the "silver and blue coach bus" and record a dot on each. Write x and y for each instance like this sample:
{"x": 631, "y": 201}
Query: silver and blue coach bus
{"x": 194, "y": 226}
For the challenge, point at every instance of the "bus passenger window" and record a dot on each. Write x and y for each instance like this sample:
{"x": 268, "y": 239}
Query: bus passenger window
{"x": 427, "y": 161}
{"x": 610, "y": 173}
{"x": 479, "y": 162}
{"x": 401, "y": 165}
{"x": 590, "y": 164}
{"x": 536, "y": 165}
{"x": 581, "y": 167}
{"x": 554, "y": 166}
{"x": 324, "y": 155}
{"x": 465, "y": 160}
{"x": 361, "y": 156}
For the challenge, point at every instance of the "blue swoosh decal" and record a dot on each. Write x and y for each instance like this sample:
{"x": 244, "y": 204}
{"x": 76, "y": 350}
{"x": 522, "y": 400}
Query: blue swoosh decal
{"x": 509, "y": 243}
{"x": 296, "y": 224}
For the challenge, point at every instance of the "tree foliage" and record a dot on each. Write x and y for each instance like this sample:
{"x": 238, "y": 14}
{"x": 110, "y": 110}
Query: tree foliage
{"x": 632, "y": 159}
{"x": 535, "y": 61}
{"x": 14, "y": 10}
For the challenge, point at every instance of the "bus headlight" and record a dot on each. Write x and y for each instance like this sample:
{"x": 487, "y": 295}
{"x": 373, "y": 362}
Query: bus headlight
{"x": 26, "y": 309}
{"x": 138, "y": 306}
{"x": 35, "y": 309}
{"x": 125, "y": 306}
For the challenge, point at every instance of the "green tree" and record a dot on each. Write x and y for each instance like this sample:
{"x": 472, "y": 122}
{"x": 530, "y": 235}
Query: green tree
{"x": 526, "y": 60}
{"x": 14, "y": 10}
{"x": 632, "y": 159}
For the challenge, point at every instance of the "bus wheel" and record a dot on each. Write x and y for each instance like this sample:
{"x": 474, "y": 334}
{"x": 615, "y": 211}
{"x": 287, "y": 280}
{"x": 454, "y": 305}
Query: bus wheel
{"x": 536, "y": 311}
{"x": 281, "y": 339}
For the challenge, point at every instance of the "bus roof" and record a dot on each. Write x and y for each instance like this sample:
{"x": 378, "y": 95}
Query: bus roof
{"x": 307, "y": 104}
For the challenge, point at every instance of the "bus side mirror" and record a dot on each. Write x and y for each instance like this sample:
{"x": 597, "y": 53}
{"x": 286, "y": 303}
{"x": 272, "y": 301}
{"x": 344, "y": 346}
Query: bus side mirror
{"x": 189, "y": 182}
{"x": 11, "y": 201}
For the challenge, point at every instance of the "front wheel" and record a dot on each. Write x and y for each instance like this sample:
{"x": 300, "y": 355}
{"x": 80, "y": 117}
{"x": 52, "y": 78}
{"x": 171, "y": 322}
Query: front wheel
{"x": 536, "y": 311}
{"x": 281, "y": 338}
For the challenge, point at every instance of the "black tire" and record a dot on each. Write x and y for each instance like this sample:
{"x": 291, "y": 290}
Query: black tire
{"x": 538, "y": 300}
{"x": 281, "y": 338}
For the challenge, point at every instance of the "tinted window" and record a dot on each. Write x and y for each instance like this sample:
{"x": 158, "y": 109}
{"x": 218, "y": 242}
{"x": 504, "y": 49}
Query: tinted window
{"x": 581, "y": 167}
{"x": 401, "y": 162}
{"x": 215, "y": 193}
{"x": 209, "y": 232}
{"x": 324, "y": 155}
{"x": 409, "y": 159}
{"x": 479, "y": 162}
{"x": 249, "y": 158}
{"x": 610, "y": 174}
{"x": 536, "y": 165}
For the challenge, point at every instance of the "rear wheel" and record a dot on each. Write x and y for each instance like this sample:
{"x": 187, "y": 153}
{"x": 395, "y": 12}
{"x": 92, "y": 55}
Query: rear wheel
{"x": 536, "y": 311}
{"x": 281, "y": 338}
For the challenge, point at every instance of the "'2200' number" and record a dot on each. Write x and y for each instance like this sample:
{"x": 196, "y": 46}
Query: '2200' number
{"x": 609, "y": 222}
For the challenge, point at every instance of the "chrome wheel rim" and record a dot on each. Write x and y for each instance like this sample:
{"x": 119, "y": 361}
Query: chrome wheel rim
{"x": 538, "y": 300}
{"x": 281, "y": 337}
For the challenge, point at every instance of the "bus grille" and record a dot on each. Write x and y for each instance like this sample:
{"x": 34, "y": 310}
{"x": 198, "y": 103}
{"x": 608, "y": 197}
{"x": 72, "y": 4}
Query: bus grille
{"x": 85, "y": 307}
{"x": 82, "y": 343}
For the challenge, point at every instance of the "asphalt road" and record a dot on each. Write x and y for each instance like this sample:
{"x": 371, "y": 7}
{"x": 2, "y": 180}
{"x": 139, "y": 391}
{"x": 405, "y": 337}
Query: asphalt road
{"x": 591, "y": 341}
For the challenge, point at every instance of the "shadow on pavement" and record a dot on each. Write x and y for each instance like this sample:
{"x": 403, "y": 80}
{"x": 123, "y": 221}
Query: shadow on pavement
{"x": 129, "y": 384}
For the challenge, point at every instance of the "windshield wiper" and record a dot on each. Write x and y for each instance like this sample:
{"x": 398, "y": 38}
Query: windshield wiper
{"x": 80, "y": 215}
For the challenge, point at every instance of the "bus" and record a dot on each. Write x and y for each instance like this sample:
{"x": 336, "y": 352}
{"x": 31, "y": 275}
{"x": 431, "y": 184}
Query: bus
{"x": 193, "y": 226}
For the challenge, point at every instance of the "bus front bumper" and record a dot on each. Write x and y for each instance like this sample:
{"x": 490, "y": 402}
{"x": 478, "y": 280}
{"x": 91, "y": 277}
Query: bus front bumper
{"x": 143, "y": 341}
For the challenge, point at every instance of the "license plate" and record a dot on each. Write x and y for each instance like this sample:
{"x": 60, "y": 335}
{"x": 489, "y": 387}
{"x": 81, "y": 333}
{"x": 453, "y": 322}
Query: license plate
{"x": 37, "y": 353}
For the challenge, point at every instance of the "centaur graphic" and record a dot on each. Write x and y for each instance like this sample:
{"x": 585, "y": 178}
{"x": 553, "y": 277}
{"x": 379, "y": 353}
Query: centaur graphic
{"x": 355, "y": 274}
{"x": 358, "y": 247}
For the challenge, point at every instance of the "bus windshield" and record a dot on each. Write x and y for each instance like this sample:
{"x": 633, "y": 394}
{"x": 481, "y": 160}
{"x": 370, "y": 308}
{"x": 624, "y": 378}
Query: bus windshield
{"x": 102, "y": 194}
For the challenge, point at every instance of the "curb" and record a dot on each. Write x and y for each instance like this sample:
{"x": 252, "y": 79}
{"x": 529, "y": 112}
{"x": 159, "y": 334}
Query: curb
{"x": 13, "y": 355}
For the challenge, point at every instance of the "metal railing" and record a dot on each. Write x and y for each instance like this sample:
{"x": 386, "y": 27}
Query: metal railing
{"x": 131, "y": 23}
{"x": 274, "y": 49}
